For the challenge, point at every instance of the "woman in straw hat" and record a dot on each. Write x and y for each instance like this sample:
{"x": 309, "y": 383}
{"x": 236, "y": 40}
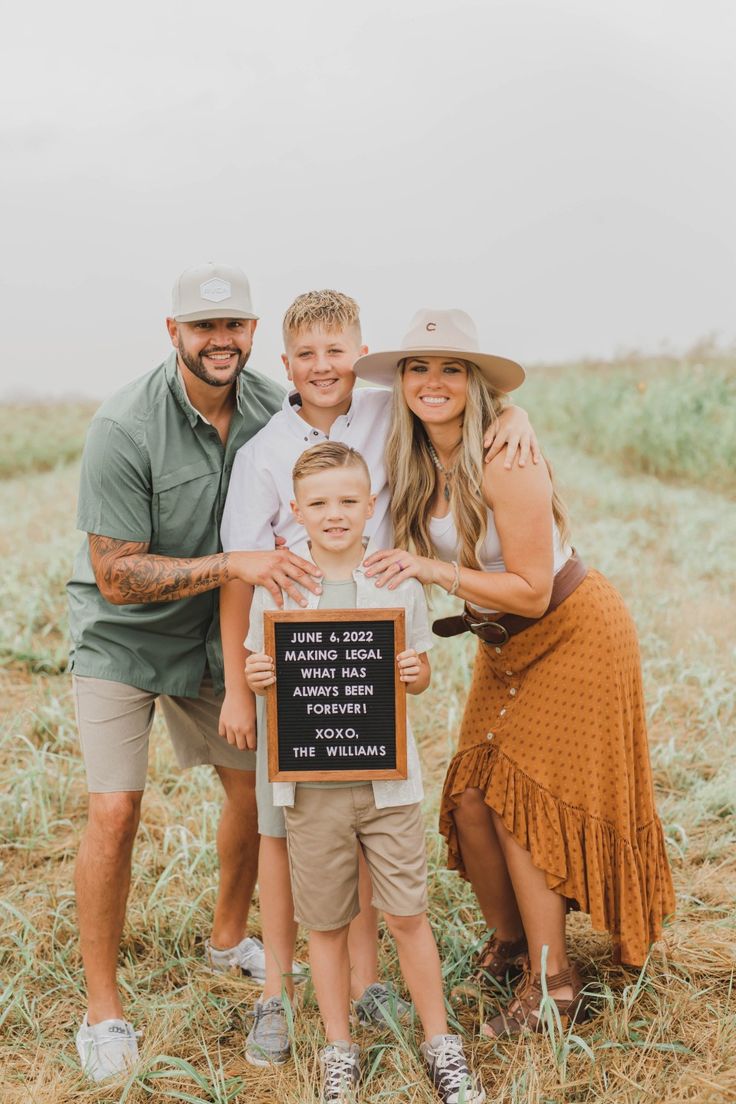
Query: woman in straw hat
{"x": 548, "y": 800}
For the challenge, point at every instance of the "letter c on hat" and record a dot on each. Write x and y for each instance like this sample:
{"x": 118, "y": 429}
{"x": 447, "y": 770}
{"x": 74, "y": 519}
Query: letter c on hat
{"x": 431, "y": 326}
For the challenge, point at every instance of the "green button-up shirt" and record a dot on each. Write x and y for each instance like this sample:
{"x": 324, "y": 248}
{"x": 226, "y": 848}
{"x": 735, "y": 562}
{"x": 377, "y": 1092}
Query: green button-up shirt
{"x": 153, "y": 470}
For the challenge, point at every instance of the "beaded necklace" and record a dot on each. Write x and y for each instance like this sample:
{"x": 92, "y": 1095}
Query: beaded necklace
{"x": 437, "y": 463}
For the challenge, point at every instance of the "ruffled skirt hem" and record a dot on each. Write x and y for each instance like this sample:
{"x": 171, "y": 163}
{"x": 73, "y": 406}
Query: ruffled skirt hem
{"x": 623, "y": 884}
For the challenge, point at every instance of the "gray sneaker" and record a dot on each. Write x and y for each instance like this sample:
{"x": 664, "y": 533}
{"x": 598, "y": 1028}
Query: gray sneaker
{"x": 448, "y": 1068}
{"x": 247, "y": 960}
{"x": 380, "y": 1005}
{"x": 340, "y": 1064}
{"x": 267, "y": 1043}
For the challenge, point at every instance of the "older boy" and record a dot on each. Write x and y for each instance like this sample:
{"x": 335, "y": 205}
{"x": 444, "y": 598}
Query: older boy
{"x": 322, "y": 341}
{"x": 327, "y": 821}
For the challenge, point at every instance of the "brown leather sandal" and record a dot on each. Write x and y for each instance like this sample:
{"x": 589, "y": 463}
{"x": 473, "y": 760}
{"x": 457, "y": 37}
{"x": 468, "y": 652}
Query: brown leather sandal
{"x": 523, "y": 1013}
{"x": 499, "y": 963}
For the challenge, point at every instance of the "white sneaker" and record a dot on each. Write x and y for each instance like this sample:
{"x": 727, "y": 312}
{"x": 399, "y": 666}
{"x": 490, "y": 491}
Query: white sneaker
{"x": 107, "y": 1048}
{"x": 248, "y": 959}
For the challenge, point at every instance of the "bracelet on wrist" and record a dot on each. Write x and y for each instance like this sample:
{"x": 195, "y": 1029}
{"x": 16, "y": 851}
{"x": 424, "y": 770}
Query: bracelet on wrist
{"x": 456, "y": 581}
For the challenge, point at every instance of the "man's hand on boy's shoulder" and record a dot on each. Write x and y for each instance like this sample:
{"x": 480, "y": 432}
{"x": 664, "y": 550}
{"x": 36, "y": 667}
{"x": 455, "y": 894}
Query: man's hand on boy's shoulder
{"x": 277, "y": 571}
{"x": 514, "y": 432}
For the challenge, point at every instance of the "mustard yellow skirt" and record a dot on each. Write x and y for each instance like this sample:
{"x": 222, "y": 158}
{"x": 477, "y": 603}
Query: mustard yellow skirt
{"x": 554, "y": 735}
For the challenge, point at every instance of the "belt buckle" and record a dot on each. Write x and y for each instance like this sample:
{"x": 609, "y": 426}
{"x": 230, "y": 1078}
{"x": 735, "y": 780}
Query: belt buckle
{"x": 478, "y": 629}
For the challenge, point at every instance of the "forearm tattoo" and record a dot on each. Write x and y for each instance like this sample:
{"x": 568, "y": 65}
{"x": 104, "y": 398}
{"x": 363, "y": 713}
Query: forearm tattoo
{"x": 127, "y": 572}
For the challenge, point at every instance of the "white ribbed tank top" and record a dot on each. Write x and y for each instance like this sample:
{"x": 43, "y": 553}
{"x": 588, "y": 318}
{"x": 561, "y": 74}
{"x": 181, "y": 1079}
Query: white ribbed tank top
{"x": 443, "y": 535}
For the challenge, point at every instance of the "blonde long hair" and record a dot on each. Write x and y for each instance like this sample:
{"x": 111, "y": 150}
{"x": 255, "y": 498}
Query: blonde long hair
{"x": 412, "y": 474}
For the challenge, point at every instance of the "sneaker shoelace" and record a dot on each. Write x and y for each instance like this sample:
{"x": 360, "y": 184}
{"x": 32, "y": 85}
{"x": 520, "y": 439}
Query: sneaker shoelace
{"x": 377, "y": 991}
{"x": 451, "y": 1067}
{"x": 272, "y": 1007}
{"x": 339, "y": 1067}
{"x": 380, "y": 996}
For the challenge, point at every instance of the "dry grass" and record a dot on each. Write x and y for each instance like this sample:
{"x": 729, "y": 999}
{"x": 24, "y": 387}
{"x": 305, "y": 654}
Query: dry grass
{"x": 666, "y": 1035}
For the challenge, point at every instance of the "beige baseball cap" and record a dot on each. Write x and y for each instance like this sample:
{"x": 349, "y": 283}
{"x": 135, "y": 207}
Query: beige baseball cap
{"x": 211, "y": 291}
{"x": 447, "y": 333}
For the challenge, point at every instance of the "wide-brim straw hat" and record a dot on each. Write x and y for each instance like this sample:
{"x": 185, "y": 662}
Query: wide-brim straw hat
{"x": 445, "y": 333}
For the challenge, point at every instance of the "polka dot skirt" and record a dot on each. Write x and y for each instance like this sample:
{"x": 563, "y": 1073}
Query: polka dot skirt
{"x": 554, "y": 734}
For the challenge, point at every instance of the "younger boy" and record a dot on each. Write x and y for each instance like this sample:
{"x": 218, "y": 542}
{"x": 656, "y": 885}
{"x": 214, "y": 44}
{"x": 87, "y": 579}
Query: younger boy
{"x": 325, "y": 822}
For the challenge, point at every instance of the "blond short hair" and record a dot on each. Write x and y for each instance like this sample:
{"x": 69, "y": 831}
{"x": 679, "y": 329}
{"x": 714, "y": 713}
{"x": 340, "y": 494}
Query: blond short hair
{"x": 327, "y": 310}
{"x": 324, "y": 457}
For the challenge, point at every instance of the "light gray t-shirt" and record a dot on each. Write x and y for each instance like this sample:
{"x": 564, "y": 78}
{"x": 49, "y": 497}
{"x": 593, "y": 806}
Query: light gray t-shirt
{"x": 338, "y": 595}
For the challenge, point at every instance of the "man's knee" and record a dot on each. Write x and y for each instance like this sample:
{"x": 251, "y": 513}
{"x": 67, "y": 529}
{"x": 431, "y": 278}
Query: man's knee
{"x": 113, "y": 819}
{"x": 239, "y": 786}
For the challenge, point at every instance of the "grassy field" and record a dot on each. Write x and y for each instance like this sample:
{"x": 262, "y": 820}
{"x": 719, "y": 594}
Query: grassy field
{"x": 667, "y": 1034}
{"x": 41, "y": 436}
{"x": 670, "y": 417}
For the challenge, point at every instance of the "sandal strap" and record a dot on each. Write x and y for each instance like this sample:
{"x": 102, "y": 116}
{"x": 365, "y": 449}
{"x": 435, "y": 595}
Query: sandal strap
{"x": 524, "y": 1009}
{"x": 499, "y": 954}
{"x": 556, "y": 981}
{"x": 532, "y": 983}
{"x": 512, "y": 948}
{"x": 504, "y": 1023}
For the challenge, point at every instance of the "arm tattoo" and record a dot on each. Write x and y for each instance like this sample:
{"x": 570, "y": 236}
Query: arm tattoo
{"x": 126, "y": 572}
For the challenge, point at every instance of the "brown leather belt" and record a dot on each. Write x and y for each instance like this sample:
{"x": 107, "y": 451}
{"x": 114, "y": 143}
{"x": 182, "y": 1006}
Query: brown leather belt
{"x": 497, "y": 631}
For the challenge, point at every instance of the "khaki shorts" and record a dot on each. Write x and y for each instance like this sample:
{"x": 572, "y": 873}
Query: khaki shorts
{"x": 114, "y": 722}
{"x": 322, "y": 829}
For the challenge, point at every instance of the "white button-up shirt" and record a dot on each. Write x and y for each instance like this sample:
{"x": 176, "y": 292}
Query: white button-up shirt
{"x": 408, "y": 596}
{"x": 257, "y": 507}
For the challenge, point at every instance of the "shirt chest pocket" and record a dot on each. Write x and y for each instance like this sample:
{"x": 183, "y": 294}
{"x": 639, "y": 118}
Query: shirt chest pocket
{"x": 185, "y": 505}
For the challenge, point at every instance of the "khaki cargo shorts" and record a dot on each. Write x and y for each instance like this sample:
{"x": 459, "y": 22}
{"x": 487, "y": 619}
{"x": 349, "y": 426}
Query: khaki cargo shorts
{"x": 322, "y": 829}
{"x": 114, "y": 722}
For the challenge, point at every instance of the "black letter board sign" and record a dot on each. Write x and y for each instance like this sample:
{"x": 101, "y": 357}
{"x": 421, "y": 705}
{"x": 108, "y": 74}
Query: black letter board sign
{"x": 337, "y": 711}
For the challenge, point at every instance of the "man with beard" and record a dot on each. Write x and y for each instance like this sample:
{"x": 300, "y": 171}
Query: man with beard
{"x": 144, "y": 624}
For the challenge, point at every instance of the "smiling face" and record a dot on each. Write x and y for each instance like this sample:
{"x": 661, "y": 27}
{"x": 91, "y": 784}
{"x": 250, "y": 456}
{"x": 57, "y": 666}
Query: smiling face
{"x": 435, "y": 389}
{"x": 333, "y": 505}
{"x": 320, "y": 365}
{"x": 215, "y": 350}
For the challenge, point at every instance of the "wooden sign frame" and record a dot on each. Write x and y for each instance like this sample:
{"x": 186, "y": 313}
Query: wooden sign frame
{"x": 271, "y": 619}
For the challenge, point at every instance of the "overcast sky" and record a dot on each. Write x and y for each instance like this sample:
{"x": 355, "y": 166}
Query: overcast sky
{"x": 565, "y": 170}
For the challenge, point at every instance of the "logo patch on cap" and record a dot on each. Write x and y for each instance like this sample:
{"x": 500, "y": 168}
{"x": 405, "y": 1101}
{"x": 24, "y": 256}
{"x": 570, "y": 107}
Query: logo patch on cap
{"x": 215, "y": 290}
